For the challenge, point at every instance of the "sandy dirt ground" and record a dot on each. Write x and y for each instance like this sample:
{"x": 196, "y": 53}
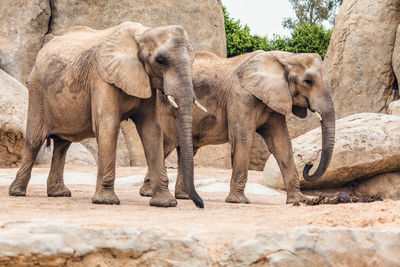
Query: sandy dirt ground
{"x": 217, "y": 225}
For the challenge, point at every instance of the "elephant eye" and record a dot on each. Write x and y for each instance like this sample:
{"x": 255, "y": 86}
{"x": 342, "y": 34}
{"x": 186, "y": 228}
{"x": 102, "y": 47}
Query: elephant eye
{"x": 308, "y": 82}
{"x": 160, "y": 60}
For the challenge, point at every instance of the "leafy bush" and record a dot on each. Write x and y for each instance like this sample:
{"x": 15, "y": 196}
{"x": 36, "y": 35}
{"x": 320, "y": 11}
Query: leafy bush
{"x": 304, "y": 38}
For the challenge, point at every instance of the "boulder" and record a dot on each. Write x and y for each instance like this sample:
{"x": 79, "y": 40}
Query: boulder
{"x": 359, "y": 57}
{"x": 310, "y": 246}
{"x": 13, "y": 110}
{"x": 385, "y": 185}
{"x": 23, "y": 25}
{"x": 366, "y": 144}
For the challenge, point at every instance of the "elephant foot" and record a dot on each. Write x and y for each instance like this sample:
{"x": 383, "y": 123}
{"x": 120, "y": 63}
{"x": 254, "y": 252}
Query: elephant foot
{"x": 58, "y": 190}
{"x": 105, "y": 196}
{"x": 17, "y": 190}
{"x": 237, "y": 198}
{"x": 145, "y": 190}
{"x": 163, "y": 199}
{"x": 296, "y": 198}
{"x": 180, "y": 193}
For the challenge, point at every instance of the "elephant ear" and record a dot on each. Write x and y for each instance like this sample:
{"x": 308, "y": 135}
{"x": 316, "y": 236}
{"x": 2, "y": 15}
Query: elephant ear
{"x": 264, "y": 76}
{"x": 118, "y": 62}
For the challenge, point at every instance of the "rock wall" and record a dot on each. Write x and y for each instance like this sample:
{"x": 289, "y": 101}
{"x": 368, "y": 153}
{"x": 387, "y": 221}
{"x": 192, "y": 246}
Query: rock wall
{"x": 23, "y": 25}
{"x": 359, "y": 58}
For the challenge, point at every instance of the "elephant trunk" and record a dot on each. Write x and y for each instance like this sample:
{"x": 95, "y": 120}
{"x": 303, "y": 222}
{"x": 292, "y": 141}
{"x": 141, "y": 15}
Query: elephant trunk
{"x": 178, "y": 87}
{"x": 328, "y": 140}
{"x": 185, "y": 140}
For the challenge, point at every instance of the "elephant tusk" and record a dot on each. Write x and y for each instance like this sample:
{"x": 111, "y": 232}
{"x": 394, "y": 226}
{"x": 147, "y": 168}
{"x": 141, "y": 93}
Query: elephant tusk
{"x": 318, "y": 115}
{"x": 171, "y": 100}
{"x": 200, "y": 106}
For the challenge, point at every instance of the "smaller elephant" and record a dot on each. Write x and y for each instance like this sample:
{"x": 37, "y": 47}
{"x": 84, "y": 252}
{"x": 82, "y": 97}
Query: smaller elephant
{"x": 85, "y": 82}
{"x": 248, "y": 94}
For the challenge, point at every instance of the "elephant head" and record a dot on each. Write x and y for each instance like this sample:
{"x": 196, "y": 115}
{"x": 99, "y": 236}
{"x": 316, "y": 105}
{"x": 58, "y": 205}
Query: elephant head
{"x": 288, "y": 83}
{"x": 136, "y": 58}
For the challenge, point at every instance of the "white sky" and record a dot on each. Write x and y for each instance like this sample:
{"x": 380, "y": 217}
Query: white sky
{"x": 264, "y": 17}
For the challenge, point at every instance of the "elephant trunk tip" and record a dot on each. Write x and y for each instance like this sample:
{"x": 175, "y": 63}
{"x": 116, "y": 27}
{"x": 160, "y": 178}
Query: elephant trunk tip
{"x": 196, "y": 199}
{"x": 306, "y": 173}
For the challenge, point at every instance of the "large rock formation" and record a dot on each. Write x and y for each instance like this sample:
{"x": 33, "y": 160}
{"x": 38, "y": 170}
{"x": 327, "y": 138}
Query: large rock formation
{"x": 13, "y": 109}
{"x": 359, "y": 58}
{"x": 366, "y": 144}
{"x": 23, "y": 25}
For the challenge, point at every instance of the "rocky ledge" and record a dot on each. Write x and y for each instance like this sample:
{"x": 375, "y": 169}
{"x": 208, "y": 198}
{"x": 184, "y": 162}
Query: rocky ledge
{"x": 55, "y": 244}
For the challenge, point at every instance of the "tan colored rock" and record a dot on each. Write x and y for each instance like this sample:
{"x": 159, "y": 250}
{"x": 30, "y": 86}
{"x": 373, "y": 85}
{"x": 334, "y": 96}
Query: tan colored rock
{"x": 359, "y": 57}
{"x": 13, "y": 110}
{"x": 203, "y": 20}
{"x": 76, "y": 153}
{"x": 55, "y": 244}
{"x": 23, "y": 25}
{"x": 366, "y": 144}
{"x": 394, "y": 108}
{"x": 309, "y": 246}
{"x": 386, "y": 185}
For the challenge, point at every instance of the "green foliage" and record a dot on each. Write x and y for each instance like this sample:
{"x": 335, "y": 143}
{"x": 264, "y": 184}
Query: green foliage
{"x": 304, "y": 38}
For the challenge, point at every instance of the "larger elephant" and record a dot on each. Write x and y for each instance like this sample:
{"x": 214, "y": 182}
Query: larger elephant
{"x": 248, "y": 94}
{"x": 85, "y": 82}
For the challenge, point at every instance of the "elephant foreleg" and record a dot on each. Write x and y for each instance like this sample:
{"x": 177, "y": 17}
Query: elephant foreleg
{"x": 242, "y": 142}
{"x": 150, "y": 133}
{"x": 275, "y": 134}
{"x": 55, "y": 181}
{"x": 106, "y": 123}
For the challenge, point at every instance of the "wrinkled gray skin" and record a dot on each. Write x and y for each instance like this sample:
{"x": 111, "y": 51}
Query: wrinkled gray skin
{"x": 85, "y": 82}
{"x": 248, "y": 94}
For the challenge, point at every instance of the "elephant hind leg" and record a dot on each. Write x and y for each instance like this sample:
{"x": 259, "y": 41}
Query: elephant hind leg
{"x": 32, "y": 146}
{"x": 55, "y": 181}
{"x": 145, "y": 189}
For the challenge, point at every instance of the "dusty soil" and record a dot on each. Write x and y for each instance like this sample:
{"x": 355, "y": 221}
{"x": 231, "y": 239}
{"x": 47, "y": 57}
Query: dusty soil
{"x": 217, "y": 225}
